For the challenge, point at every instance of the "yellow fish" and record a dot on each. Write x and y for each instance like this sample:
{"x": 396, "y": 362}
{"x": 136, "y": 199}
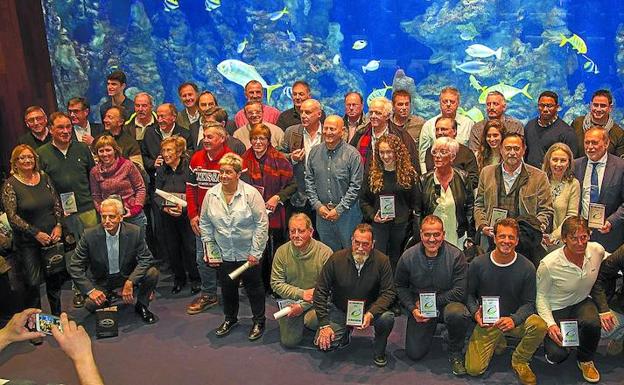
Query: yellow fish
{"x": 575, "y": 41}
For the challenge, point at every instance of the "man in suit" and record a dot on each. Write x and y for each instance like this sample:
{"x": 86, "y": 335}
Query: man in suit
{"x": 117, "y": 256}
{"x": 84, "y": 131}
{"x": 601, "y": 175}
{"x": 219, "y": 115}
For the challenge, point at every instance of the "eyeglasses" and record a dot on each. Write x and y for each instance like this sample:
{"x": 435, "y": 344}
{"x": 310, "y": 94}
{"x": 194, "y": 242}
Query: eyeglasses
{"x": 74, "y": 112}
{"x": 259, "y": 139}
{"x": 440, "y": 152}
{"x": 546, "y": 105}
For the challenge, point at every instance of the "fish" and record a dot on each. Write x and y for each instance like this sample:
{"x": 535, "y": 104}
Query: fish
{"x": 467, "y": 31}
{"x": 482, "y": 51}
{"x": 337, "y": 59}
{"x": 473, "y": 67}
{"x": 372, "y": 65}
{"x": 275, "y": 16}
{"x": 474, "y": 83}
{"x": 359, "y": 44}
{"x": 508, "y": 91}
{"x": 473, "y": 114}
{"x": 590, "y": 66}
{"x": 287, "y": 91}
{"x": 575, "y": 41}
{"x": 241, "y": 73}
{"x": 171, "y": 5}
{"x": 291, "y": 36}
{"x": 307, "y": 5}
{"x": 377, "y": 93}
{"x": 211, "y": 5}
{"x": 241, "y": 46}
{"x": 307, "y": 39}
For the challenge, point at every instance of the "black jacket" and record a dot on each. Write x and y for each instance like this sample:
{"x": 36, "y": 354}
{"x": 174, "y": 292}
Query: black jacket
{"x": 604, "y": 291}
{"x": 150, "y": 147}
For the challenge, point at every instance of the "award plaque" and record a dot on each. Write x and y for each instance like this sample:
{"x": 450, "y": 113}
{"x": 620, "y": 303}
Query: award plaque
{"x": 106, "y": 322}
{"x": 596, "y": 216}
{"x": 387, "y": 208}
{"x": 428, "y": 307}
{"x": 214, "y": 256}
{"x": 497, "y": 215}
{"x": 355, "y": 313}
{"x": 491, "y": 309}
{"x": 569, "y": 333}
{"x": 68, "y": 201}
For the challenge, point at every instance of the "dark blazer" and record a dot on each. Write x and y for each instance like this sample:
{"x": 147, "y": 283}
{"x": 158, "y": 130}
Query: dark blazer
{"x": 612, "y": 196}
{"x": 91, "y": 253}
{"x": 150, "y": 147}
{"x": 605, "y": 292}
{"x": 96, "y": 130}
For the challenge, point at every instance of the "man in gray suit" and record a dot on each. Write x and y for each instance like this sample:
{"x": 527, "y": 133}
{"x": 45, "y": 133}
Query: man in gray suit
{"x": 602, "y": 182}
{"x": 117, "y": 255}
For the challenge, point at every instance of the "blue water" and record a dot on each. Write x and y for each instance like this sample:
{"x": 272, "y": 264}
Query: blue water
{"x": 159, "y": 49}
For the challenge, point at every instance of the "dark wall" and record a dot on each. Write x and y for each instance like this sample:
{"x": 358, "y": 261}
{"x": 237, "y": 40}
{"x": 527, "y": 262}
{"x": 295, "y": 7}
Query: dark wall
{"x": 25, "y": 71}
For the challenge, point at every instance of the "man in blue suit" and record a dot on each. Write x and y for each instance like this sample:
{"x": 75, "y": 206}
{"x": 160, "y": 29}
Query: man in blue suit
{"x": 602, "y": 181}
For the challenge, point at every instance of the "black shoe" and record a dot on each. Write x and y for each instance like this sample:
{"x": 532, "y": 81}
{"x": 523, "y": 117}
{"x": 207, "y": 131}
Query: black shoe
{"x": 225, "y": 328}
{"x": 147, "y": 316}
{"x": 79, "y": 300}
{"x": 177, "y": 287}
{"x": 257, "y": 330}
{"x": 195, "y": 287}
{"x": 381, "y": 360}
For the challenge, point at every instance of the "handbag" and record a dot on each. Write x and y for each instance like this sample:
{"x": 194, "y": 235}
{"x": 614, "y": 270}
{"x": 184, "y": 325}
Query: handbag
{"x": 53, "y": 258}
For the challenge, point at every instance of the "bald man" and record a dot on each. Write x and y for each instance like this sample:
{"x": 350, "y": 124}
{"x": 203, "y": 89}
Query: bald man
{"x": 333, "y": 179}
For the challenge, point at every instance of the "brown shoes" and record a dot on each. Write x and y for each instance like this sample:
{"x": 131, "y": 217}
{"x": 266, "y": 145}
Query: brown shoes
{"x": 589, "y": 371}
{"x": 524, "y": 373}
{"x": 201, "y": 303}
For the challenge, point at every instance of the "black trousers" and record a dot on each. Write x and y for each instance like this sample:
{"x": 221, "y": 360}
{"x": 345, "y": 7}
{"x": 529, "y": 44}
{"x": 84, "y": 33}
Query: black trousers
{"x": 276, "y": 239}
{"x": 31, "y": 273}
{"x": 586, "y": 313}
{"x": 418, "y": 336}
{"x": 144, "y": 288}
{"x": 252, "y": 281}
{"x": 389, "y": 238}
{"x": 179, "y": 238}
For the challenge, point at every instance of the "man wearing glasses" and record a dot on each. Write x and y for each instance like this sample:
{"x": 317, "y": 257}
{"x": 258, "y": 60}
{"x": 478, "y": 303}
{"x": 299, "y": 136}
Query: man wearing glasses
{"x": 600, "y": 116}
{"x": 546, "y": 130}
{"x": 254, "y": 114}
{"x": 37, "y": 122}
{"x": 84, "y": 131}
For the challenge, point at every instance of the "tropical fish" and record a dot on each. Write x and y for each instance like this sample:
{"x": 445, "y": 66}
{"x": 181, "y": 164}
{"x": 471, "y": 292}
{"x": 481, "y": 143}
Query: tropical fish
{"x": 475, "y": 83}
{"x": 508, "y": 91}
{"x": 359, "y": 44}
{"x": 241, "y": 46}
{"x": 372, "y": 65}
{"x": 307, "y": 5}
{"x": 473, "y": 67}
{"x": 291, "y": 36}
{"x": 575, "y": 41}
{"x": 590, "y": 66}
{"x": 211, "y": 5}
{"x": 241, "y": 73}
{"x": 337, "y": 59}
{"x": 482, "y": 51}
{"x": 171, "y": 5}
{"x": 473, "y": 114}
{"x": 467, "y": 31}
{"x": 307, "y": 39}
{"x": 287, "y": 92}
{"x": 275, "y": 16}
{"x": 377, "y": 93}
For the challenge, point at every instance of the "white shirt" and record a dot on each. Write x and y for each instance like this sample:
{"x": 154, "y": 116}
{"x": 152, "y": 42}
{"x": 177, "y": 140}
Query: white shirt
{"x": 427, "y": 135}
{"x": 560, "y": 283}
{"x": 601, "y": 166}
{"x": 82, "y": 131}
{"x": 446, "y": 211}
{"x": 309, "y": 142}
{"x": 510, "y": 178}
{"x": 192, "y": 118}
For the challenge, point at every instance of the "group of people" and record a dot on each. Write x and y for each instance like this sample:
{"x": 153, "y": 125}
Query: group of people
{"x": 346, "y": 219}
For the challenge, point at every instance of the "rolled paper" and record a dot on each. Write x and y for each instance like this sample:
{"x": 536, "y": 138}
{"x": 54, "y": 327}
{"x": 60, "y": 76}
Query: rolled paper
{"x": 170, "y": 197}
{"x": 233, "y": 275}
{"x": 282, "y": 313}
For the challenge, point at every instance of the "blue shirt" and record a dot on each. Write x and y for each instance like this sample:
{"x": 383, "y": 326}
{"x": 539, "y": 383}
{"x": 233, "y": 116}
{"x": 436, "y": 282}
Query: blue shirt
{"x": 112, "y": 250}
{"x": 333, "y": 176}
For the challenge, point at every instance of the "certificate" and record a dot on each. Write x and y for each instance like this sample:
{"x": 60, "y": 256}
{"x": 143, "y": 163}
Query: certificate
{"x": 68, "y": 201}
{"x": 387, "y": 207}
{"x": 491, "y": 309}
{"x": 497, "y": 215}
{"x": 596, "y": 216}
{"x": 214, "y": 256}
{"x": 569, "y": 333}
{"x": 283, "y": 303}
{"x": 355, "y": 313}
{"x": 428, "y": 306}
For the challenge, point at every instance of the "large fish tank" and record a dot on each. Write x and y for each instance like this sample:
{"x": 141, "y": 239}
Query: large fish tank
{"x": 520, "y": 48}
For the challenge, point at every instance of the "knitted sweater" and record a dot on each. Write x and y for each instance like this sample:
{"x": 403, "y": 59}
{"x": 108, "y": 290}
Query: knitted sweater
{"x": 123, "y": 179}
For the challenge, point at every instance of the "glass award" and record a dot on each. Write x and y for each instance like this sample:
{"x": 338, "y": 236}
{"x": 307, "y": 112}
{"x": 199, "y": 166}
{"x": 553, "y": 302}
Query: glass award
{"x": 387, "y": 208}
{"x": 596, "y": 216}
{"x": 68, "y": 201}
{"x": 569, "y": 333}
{"x": 497, "y": 215}
{"x": 491, "y": 309}
{"x": 428, "y": 307}
{"x": 355, "y": 313}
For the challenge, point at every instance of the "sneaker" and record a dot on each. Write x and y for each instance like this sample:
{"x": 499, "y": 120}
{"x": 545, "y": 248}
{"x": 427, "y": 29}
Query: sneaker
{"x": 501, "y": 345}
{"x": 79, "y": 300}
{"x": 381, "y": 360}
{"x": 590, "y": 373}
{"x": 457, "y": 364}
{"x": 524, "y": 373}
{"x": 201, "y": 303}
{"x": 614, "y": 347}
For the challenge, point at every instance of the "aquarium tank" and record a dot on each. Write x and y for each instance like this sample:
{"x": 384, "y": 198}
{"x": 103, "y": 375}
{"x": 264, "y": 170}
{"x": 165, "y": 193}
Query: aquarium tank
{"x": 519, "y": 47}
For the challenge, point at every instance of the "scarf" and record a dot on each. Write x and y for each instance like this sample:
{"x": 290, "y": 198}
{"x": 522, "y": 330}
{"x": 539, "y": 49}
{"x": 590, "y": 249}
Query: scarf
{"x": 588, "y": 123}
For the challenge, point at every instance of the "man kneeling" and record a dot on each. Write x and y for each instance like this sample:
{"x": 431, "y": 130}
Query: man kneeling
{"x": 296, "y": 266}
{"x": 117, "y": 255}
{"x": 355, "y": 282}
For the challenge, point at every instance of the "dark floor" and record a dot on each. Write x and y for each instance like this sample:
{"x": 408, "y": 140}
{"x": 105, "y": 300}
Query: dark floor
{"x": 182, "y": 349}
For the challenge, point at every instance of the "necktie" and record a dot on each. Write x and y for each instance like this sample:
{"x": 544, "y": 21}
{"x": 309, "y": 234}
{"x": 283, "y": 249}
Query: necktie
{"x": 594, "y": 191}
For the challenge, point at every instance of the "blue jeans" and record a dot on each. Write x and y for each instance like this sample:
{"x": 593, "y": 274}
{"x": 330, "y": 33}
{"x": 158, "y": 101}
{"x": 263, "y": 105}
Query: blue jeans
{"x": 140, "y": 220}
{"x": 337, "y": 235}
{"x": 207, "y": 274}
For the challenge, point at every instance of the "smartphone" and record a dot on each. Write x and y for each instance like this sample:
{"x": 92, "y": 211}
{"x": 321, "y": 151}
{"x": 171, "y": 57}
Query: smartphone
{"x": 44, "y": 322}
